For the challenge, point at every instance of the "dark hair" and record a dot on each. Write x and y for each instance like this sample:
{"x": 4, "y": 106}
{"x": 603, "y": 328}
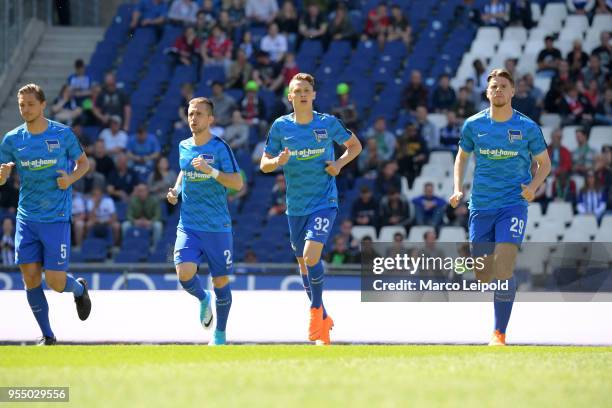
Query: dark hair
{"x": 34, "y": 90}
{"x": 79, "y": 63}
{"x": 500, "y": 72}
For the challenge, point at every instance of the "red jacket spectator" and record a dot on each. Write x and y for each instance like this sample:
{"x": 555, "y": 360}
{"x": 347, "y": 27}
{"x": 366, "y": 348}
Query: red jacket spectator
{"x": 218, "y": 45}
{"x": 378, "y": 20}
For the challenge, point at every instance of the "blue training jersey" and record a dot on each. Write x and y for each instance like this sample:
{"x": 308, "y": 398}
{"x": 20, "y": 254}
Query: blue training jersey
{"x": 204, "y": 206}
{"x": 37, "y": 159}
{"x": 309, "y": 187}
{"x": 503, "y": 153}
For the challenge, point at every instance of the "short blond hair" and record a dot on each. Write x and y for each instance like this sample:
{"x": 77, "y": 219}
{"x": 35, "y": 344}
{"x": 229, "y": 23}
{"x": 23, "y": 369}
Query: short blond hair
{"x": 34, "y": 90}
{"x": 205, "y": 101}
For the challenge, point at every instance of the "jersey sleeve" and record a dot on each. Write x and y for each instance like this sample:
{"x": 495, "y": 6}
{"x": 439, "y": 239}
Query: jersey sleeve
{"x": 339, "y": 133}
{"x": 227, "y": 162}
{"x": 6, "y": 151}
{"x": 73, "y": 146}
{"x": 273, "y": 142}
{"x": 537, "y": 144}
{"x": 467, "y": 138}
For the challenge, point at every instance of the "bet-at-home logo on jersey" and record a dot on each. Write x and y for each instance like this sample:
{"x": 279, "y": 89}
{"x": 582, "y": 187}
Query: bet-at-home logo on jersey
{"x": 498, "y": 154}
{"x": 196, "y": 176}
{"x": 307, "y": 154}
{"x": 38, "y": 164}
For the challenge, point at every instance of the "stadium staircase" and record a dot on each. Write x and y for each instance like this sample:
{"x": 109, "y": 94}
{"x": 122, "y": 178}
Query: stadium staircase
{"x": 51, "y": 64}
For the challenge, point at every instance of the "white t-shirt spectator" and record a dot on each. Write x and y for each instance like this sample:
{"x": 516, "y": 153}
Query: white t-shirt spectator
{"x": 261, "y": 9}
{"x": 105, "y": 210}
{"x": 275, "y": 46}
{"x": 183, "y": 11}
{"x": 112, "y": 142}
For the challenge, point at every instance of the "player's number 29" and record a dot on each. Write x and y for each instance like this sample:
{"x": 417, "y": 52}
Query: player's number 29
{"x": 321, "y": 224}
{"x": 517, "y": 225}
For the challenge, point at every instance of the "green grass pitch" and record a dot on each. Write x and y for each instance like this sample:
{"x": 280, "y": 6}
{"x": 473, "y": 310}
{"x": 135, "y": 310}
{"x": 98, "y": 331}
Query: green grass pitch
{"x": 296, "y": 375}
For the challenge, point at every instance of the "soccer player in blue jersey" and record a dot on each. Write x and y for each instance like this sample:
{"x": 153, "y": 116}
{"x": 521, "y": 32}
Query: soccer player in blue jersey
{"x": 303, "y": 144}
{"x": 504, "y": 142}
{"x": 42, "y": 152}
{"x": 208, "y": 169}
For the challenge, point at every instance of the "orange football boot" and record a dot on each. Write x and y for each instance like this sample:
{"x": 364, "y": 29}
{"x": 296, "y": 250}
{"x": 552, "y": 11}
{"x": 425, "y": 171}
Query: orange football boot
{"x": 498, "y": 339}
{"x": 328, "y": 323}
{"x": 316, "y": 323}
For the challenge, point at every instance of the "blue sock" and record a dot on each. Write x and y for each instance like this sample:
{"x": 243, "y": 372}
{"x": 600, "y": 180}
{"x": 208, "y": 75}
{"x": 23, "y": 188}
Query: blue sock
{"x": 40, "y": 308}
{"x": 194, "y": 287}
{"x": 306, "y": 284}
{"x": 223, "y": 304}
{"x": 315, "y": 275}
{"x": 73, "y": 286}
{"x": 502, "y": 302}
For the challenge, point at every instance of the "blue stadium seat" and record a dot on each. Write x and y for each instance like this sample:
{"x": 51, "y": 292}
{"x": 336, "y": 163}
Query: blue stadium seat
{"x": 94, "y": 250}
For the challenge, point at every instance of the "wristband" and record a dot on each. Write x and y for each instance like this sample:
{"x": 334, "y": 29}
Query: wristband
{"x": 214, "y": 173}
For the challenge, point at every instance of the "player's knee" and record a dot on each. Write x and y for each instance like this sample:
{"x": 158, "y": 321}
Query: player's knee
{"x": 220, "y": 281}
{"x": 56, "y": 281}
{"x": 312, "y": 259}
{"x": 32, "y": 280}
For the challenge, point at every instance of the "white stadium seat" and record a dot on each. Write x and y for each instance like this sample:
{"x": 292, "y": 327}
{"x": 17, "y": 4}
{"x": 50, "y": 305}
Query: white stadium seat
{"x": 534, "y": 211}
{"x": 560, "y": 211}
{"x": 489, "y": 33}
{"x": 518, "y": 34}
{"x": 547, "y": 132}
{"x": 579, "y": 181}
{"x": 388, "y": 232}
{"x": 544, "y": 234}
{"x": 567, "y": 35}
{"x": 573, "y": 235}
{"x": 542, "y": 83}
{"x": 550, "y": 25}
{"x": 600, "y": 136}
{"x": 556, "y": 11}
{"x": 550, "y": 119}
{"x": 442, "y": 159}
{"x": 438, "y": 119}
{"x": 604, "y": 235}
{"x": 416, "y": 233}
{"x": 568, "y": 139}
{"x": 483, "y": 49}
{"x": 564, "y": 46}
{"x": 361, "y": 231}
{"x": 452, "y": 234}
{"x": 601, "y": 22}
{"x": 434, "y": 172}
{"x": 576, "y": 22}
{"x": 510, "y": 48}
{"x": 585, "y": 222}
{"x": 536, "y": 11}
{"x": 606, "y": 222}
{"x": 537, "y": 35}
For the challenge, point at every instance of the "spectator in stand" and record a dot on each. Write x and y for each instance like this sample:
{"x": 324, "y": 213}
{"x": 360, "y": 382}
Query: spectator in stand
{"x": 443, "y": 97}
{"x": 520, "y": 14}
{"x": 288, "y": 71}
{"x": 365, "y": 209}
{"x": 429, "y": 208}
{"x": 460, "y": 215}
{"x": 149, "y": 13}
{"x": 387, "y": 179}
{"x": 224, "y": 105}
{"x": 274, "y": 43}
{"x": 8, "y": 242}
{"x": 549, "y": 57}
{"x": 9, "y": 194}
{"x": 237, "y": 15}
{"x": 592, "y": 198}
{"x": 112, "y": 101}
{"x": 183, "y": 12}
{"x": 211, "y": 17}
{"x": 581, "y": 7}
{"x": 426, "y": 129}
{"x": 603, "y": 114}
{"x": 399, "y": 27}
{"x": 278, "y": 203}
{"x": 160, "y": 180}
{"x": 80, "y": 83}
{"x": 563, "y": 188}
{"x": 203, "y": 26}
{"x": 346, "y": 227}
{"x": 261, "y": 12}
{"x": 340, "y": 27}
{"x": 397, "y": 246}
{"x": 577, "y": 58}
{"x": 266, "y": 74}
{"x": 415, "y": 93}
{"x": 79, "y": 217}
{"x": 583, "y": 155}
{"x": 114, "y": 138}
{"x": 594, "y": 71}
{"x": 91, "y": 180}
{"x": 369, "y": 160}
{"x": 143, "y": 150}
{"x": 104, "y": 163}
{"x": 534, "y": 91}
{"x": 591, "y": 93}
{"x": 252, "y": 107}
{"x": 86, "y": 143}
{"x": 575, "y": 108}
{"x": 102, "y": 215}
{"x": 345, "y": 108}
{"x": 187, "y": 94}
{"x": 340, "y": 254}
{"x": 65, "y": 108}
{"x": 394, "y": 209}
{"x": 122, "y": 180}
{"x": 411, "y": 153}
{"x": 525, "y": 103}
{"x": 240, "y": 71}
{"x": 247, "y": 45}
{"x": 218, "y": 49}
{"x": 187, "y": 47}
{"x": 237, "y": 133}
{"x": 463, "y": 107}
{"x": 385, "y": 141}
{"x": 604, "y": 50}
{"x": 313, "y": 24}
{"x": 495, "y": 14}
{"x": 288, "y": 23}
{"x": 560, "y": 156}
{"x": 603, "y": 7}
{"x": 603, "y": 170}
{"x": 451, "y": 133}
{"x": 144, "y": 211}
{"x": 378, "y": 21}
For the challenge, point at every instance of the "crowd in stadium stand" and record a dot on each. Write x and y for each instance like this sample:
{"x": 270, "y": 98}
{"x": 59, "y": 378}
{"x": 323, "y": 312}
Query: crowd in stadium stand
{"x": 257, "y": 43}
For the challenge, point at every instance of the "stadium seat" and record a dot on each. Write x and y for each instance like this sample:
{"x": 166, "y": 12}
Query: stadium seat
{"x": 488, "y": 33}
{"x": 438, "y": 119}
{"x": 576, "y": 23}
{"x": 585, "y": 222}
{"x": 600, "y": 23}
{"x": 560, "y": 211}
{"x": 550, "y": 119}
{"x": 510, "y": 48}
{"x": 604, "y": 233}
{"x": 416, "y": 233}
{"x": 550, "y": 25}
{"x": 599, "y": 137}
{"x": 545, "y": 233}
{"x": 556, "y": 11}
{"x": 444, "y": 159}
{"x": 452, "y": 234}
{"x": 542, "y": 83}
{"x": 576, "y": 235}
{"x": 388, "y": 232}
{"x": 536, "y": 11}
{"x": 568, "y": 139}
{"x": 534, "y": 212}
{"x": 361, "y": 231}
{"x": 518, "y": 34}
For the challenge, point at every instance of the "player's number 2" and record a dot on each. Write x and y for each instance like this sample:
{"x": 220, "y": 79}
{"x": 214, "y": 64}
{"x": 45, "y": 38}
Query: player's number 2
{"x": 228, "y": 256}
{"x": 517, "y": 225}
{"x": 63, "y": 251}
{"x": 321, "y": 224}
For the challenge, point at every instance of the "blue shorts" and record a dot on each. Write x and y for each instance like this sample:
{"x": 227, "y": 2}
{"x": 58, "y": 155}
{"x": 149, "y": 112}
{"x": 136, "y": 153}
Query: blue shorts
{"x": 488, "y": 227}
{"x": 44, "y": 242}
{"x": 313, "y": 227}
{"x": 216, "y": 248}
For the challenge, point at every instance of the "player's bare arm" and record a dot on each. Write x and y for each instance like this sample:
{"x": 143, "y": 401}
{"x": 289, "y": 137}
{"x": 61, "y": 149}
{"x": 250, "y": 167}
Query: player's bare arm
{"x": 270, "y": 163}
{"x": 458, "y": 173}
{"x": 173, "y": 192}
{"x": 540, "y": 175}
{"x": 65, "y": 180}
{"x": 229, "y": 180}
{"x": 353, "y": 148}
{"x": 5, "y": 172}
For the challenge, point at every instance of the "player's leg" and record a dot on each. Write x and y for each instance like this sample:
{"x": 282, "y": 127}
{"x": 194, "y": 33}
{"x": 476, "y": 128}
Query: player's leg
{"x": 219, "y": 252}
{"x": 297, "y": 233}
{"x": 55, "y": 239}
{"x": 482, "y": 242}
{"x": 187, "y": 255}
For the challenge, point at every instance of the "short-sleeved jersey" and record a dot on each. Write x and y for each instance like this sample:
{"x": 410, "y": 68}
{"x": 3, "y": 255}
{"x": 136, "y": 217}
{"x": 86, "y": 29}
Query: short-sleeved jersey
{"x": 503, "y": 152}
{"x": 309, "y": 187}
{"x": 37, "y": 159}
{"x": 204, "y": 206}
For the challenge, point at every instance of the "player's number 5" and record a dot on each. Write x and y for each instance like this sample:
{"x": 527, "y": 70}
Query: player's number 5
{"x": 63, "y": 251}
